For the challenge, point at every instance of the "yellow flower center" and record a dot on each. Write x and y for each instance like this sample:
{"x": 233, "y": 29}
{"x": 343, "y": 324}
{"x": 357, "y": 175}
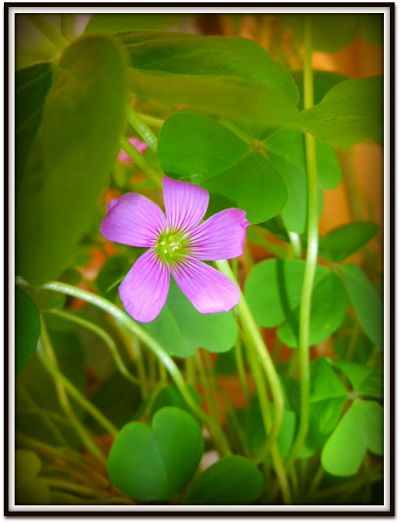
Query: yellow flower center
{"x": 171, "y": 246}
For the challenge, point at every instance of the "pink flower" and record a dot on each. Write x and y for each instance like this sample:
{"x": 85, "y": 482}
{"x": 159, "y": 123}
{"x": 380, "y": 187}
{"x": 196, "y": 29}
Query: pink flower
{"x": 177, "y": 243}
{"x": 123, "y": 157}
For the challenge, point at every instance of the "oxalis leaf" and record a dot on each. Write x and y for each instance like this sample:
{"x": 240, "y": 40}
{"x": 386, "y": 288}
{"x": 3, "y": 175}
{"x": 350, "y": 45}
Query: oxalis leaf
{"x": 343, "y": 241}
{"x": 198, "y": 149}
{"x": 273, "y": 290}
{"x": 181, "y": 329}
{"x": 286, "y": 152}
{"x": 350, "y": 112}
{"x": 155, "y": 463}
{"x": 231, "y": 77}
{"x": 71, "y": 157}
{"x": 360, "y": 429}
{"x": 229, "y": 481}
{"x": 366, "y": 302}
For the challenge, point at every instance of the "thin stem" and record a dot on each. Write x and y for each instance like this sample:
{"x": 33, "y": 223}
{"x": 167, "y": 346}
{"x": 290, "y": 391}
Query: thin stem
{"x": 75, "y": 393}
{"x": 206, "y": 385}
{"x": 312, "y": 254}
{"x": 102, "y": 334}
{"x": 257, "y": 344}
{"x": 155, "y": 347}
{"x": 140, "y": 161}
{"x": 49, "y": 360}
{"x": 59, "y": 42}
{"x": 295, "y": 242}
{"x": 266, "y": 417}
{"x": 142, "y": 129}
{"x": 62, "y": 484}
{"x": 151, "y": 120}
{"x": 241, "y": 369}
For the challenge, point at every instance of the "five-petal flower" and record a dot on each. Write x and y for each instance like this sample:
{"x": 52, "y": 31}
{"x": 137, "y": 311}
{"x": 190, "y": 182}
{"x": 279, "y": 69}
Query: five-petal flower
{"x": 178, "y": 244}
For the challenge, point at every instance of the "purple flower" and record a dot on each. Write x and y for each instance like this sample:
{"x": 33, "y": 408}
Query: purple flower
{"x": 123, "y": 157}
{"x": 177, "y": 243}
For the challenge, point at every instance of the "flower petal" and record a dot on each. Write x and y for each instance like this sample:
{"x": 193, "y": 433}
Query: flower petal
{"x": 144, "y": 289}
{"x": 185, "y": 204}
{"x": 220, "y": 237}
{"x": 207, "y": 289}
{"x": 133, "y": 220}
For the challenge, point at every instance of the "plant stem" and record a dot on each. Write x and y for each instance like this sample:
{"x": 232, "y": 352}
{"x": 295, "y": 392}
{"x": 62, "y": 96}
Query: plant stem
{"x": 59, "y": 42}
{"x": 312, "y": 253}
{"x": 241, "y": 369}
{"x": 75, "y": 393}
{"x": 102, "y": 334}
{"x": 155, "y": 347}
{"x": 295, "y": 242}
{"x": 151, "y": 120}
{"x": 266, "y": 417}
{"x": 140, "y": 161}
{"x": 142, "y": 129}
{"x": 256, "y": 343}
{"x": 49, "y": 361}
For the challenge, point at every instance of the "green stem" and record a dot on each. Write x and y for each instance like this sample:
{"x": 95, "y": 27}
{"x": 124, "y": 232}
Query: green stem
{"x": 241, "y": 369}
{"x": 102, "y": 334}
{"x": 295, "y": 242}
{"x": 140, "y": 161}
{"x": 49, "y": 360}
{"x": 206, "y": 385}
{"x": 312, "y": 254}
{"x": 154, "y": 346}
{"x": 59, "y": 42}
{"x": 257, "y": 344}
{"x": 151, "y": 120}
{"x": 142, "y": 129}
{"x": 75, "y": 393}
{"x": 62, "y": 484}
{"x": 266, "y": 417}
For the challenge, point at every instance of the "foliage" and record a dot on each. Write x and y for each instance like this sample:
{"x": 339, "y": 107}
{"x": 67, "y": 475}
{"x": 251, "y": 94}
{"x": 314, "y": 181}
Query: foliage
{"x": 114, "y": 411}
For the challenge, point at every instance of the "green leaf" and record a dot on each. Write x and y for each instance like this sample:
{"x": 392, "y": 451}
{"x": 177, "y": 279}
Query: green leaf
{"x": 208, "y": 149}
{"x": 230, "y": 481}
{"x": 181, "y": 329}
{"x": 226, "y": 364}
{"x": 327, "y": 397}
{"x": 328, "y": 308}
{"x": 342, "y": 242}
{"x": 364, "y": 380}
{"x": 27, "y": 466}
{"x": 286, "y": 151}
{"x": 323, "y": 81}
{"x": 111, "y": 274}
{"x": 366, "y": 302}
{"x": 32, "y": 85}
{"x": 229, "y": 77}
{"x": 324, "y": 29}
{"x": 273, "y": 289}
{"x": 196, "y": 148}
{"x": 71, "y": 158}
{"x": 213, "y": 56}
{"x": 155, "y": 463}
{"x": 114, "y": 23}
{"x": 361, "y": 428}
{"x": 27, "y": 329}
{"x": 357, "y": 106}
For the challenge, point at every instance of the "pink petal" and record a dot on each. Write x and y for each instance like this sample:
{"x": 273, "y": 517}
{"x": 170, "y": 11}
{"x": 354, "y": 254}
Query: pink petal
{"x": 185, "y": 204}
{"x": 220, "y": 237}
{"x": 133, "y": 220}
{"x": 207, "y": 289}
{"x": 124, "y": 157}
{"x": 144, "y": 289}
